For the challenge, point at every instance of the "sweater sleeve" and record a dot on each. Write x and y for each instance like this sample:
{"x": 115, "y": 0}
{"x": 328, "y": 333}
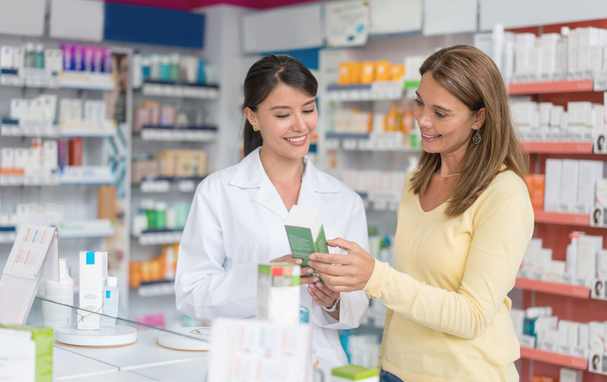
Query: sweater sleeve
{"x": 502, "y": 230}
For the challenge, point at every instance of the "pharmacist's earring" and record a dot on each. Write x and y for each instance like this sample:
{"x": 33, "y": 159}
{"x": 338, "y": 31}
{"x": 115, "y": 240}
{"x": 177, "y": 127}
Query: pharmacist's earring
{"x": 255, "y": 128}
{"x": 476, "y": 139}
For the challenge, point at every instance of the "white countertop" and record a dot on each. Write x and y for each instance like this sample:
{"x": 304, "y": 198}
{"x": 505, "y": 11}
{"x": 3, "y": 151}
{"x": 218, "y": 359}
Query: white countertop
{"x": 144, "y": 354}
{"x": 186, "y": 371}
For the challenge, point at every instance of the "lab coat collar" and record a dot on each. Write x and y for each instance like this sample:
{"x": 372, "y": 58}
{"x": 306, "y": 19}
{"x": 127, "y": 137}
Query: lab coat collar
{"x": 250, "y": 174}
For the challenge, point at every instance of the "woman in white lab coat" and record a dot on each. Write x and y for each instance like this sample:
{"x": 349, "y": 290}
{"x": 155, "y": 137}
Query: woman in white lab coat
{"x": 238, "y": 214}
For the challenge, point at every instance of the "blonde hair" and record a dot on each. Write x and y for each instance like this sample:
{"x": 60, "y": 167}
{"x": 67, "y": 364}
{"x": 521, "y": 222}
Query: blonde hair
{"x": 472, "y": 77}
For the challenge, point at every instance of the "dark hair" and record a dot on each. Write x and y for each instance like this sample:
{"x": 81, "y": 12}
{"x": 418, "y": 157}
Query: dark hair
{"x": 472, "y": 77}
{"x": 262, "y": 78}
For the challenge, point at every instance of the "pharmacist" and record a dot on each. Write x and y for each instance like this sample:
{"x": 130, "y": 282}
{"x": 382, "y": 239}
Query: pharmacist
{"x": 238, "y": 214}
{"x": 464, "y": 223}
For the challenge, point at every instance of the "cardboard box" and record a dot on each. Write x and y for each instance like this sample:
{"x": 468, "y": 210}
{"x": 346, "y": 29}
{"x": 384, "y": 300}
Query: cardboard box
{"x": 305, "y": 232}
{"x": 588, "y": 248}
{"x": 278, "y": 293}
{"x": 535, "y": 184}
{"x": 106, "y": 202}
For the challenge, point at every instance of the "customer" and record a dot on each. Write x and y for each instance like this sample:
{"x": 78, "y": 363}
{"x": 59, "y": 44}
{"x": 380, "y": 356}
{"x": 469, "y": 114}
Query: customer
{"x": 464, "y": 223}
{"x": 238, "y": 214}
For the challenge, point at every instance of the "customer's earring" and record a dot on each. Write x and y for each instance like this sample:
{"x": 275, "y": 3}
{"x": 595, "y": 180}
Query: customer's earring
{"x": 255, "y": 128}
{"x": 476, "y": 139}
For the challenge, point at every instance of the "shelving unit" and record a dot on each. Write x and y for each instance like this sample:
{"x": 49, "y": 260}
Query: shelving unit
{"x": 554, "y": 358}
{"x": 104, "y": 162}
{"x": 552, "y": 227}
{"x": 179, "y": 90}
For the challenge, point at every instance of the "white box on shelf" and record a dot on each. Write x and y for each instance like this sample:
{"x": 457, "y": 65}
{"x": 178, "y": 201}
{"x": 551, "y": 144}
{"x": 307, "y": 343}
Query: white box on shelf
{"x": 568, "y": 187}
{"x": 570, "y": 375}
{"x": 552, "y": 184}
{"x": 93, "y": 272}
{"x": 588, "y": 247}
{"x": 589, "y": 172}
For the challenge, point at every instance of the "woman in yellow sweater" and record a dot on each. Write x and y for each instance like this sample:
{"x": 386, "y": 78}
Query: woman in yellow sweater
{"x": 464, "y": 223}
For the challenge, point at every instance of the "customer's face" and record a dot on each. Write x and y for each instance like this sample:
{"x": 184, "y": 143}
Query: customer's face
{"x": 446, "y": 123}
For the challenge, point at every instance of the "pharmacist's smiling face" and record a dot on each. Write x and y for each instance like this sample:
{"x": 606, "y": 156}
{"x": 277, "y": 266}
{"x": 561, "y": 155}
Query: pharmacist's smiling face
{"x": 445, "y": 123}
{"x": 287, "y": 119}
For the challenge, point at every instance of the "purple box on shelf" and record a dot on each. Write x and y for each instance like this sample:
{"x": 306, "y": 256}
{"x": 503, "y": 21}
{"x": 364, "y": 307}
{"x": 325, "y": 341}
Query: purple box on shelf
{"x": 62, "y": 153}
{"x": 107, "y": 60}
{"x": 88, "y": 58}
{"x": 68, "y": 56}
{"x": 98, "y": 59}
{"x": 79, "y": 58}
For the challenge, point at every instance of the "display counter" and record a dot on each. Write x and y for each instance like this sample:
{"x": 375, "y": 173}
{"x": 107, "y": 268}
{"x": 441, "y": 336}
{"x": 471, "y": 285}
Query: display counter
{"x": 144, "y": 359}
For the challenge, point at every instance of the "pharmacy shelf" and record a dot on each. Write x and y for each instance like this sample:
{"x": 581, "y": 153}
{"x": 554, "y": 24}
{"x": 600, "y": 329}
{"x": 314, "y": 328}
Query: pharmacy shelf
{"x": 39, "y": 78}
{"x": 8, "y": 234}
{"x": 554, "y": 358}
{"x": 87, "y": 229}
{"x": 553, "y": 288}
{"x": 561, "y": 218}
{"x": 180, "y": 134}
{"x": 92, "y": 229}
{"x": 155, "y": 237}
{"x": 156, "y": 288}
{"x": 387, "y": 142}
{"x": 558, "y": 147}
{"x": 180, "y": 90}
{"x": 12, "y": 128}
{"x": 163, "y": 185}
{"x": 389, "y": 90}
{"x": 551, "y": 87}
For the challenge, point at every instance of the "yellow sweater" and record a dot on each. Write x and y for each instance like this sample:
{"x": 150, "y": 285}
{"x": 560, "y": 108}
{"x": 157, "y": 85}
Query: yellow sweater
{"x": 448, "y": 311}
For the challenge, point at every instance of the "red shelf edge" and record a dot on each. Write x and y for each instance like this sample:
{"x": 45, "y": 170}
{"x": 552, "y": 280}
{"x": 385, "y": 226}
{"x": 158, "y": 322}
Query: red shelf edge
{"x": 553, "y": 288}
{"x": 554, "y": 358}
{"x": 551, "y": 87}
{"x": 557, "y": 147}
{"x": 561, "y": 218}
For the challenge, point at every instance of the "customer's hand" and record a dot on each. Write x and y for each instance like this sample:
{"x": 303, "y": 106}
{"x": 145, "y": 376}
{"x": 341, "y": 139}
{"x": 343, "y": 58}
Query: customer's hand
{"x": 304, "y": 270}
{"x": 344, "y": 273}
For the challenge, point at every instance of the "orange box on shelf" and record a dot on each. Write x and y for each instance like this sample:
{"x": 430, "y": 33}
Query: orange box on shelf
{"x": 397, "y": 72}
{"x": 75, "y": 152}
{"x": 535, "y": 184}
{"x": 355, "y": 72}
{"x": 135, "y": 274}
{"x": 343, "y": 74}
{"x": 382, "y": 70}
{"x": 542, "y": 378}
{"x": 367, "y": 74}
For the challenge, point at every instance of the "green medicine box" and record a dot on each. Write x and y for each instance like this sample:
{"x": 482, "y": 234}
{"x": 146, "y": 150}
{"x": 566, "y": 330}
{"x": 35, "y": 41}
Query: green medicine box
{"x": 305, "y": 232}
{"x": 355, "y": 373}
{"x": 43, "y": 340}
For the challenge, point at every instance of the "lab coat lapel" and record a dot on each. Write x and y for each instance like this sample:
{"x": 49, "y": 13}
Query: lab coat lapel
{"x": 313, "y": 185}
{"x": 250, "y": 174}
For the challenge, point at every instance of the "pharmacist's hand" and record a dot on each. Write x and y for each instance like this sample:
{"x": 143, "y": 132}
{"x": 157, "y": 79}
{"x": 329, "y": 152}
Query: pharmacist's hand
{"x": 304, "y": 270}
{"x": 344, "y": 273}
{"x": 321, "y": 294}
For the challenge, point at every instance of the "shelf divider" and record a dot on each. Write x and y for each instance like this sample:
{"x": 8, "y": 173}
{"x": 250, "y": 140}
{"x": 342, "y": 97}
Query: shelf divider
{"x": 554, "y": 358}
{"x": 576, "y": 291}
{"x": 551, "y": 87}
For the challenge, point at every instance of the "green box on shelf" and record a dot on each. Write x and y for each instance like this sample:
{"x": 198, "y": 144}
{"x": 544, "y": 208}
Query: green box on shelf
{"x": 43, "y": 338}
{"x": 305, "y": 232}
{"x": 355, "y": 373}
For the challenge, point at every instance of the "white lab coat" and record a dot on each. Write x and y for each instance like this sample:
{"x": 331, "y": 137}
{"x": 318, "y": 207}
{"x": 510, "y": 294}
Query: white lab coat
{"x": 237, "y": 221}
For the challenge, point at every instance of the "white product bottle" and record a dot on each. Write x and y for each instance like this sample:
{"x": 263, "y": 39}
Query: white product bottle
{"x": 111, "y": 296}
{"x": 571, "y": 254}
{"x": 497, "y": 45}
{"x": 137, "y": 70}
{"x": 54, "y": 315}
